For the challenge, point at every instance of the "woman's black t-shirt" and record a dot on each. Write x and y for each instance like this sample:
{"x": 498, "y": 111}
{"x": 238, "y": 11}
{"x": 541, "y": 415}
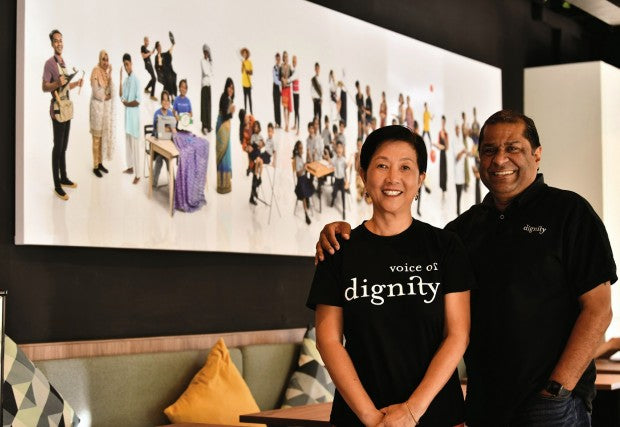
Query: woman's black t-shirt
{"x": 391, "y": 290}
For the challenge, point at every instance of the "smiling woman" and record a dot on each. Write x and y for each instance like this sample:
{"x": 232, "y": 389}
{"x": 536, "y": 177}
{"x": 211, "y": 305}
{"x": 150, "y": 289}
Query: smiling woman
{"x": 404, "y": 331}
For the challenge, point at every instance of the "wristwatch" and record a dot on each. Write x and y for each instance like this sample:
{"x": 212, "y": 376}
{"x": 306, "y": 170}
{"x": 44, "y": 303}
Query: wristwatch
{"x": 556, "y": 389}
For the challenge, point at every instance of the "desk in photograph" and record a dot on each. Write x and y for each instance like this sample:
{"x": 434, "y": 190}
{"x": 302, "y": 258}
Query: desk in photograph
{"x": 304, "y": 416}
{"x": 319, "y": 170}
{"x": 167, "y": 149}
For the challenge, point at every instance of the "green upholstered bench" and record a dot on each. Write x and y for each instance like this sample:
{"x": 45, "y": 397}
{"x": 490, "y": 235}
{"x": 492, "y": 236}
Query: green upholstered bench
{"x": 134, "y": 389}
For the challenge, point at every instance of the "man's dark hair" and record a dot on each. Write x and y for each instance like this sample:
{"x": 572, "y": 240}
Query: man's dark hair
{"x": 393, "y": 133}
{"x": 510, "y": 116}
{"x": 311, "y": 124}
{"x": 54, "y": 32}
{"x": 183, "y": 81}
{"x": 270, "y": 125}
{"x": 126, "y": 57}
{"x": 316, "y": 64}
{"x": 164, "y": 92}
{"x": 277, "y": 54}
{"x": 326, "y": 118}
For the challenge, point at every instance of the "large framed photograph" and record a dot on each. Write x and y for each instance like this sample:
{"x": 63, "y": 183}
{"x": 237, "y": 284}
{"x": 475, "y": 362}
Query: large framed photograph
{"x": 104, "y": 160}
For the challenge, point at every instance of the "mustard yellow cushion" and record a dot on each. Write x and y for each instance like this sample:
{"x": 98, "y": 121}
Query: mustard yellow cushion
{"x": 217, "y": 394}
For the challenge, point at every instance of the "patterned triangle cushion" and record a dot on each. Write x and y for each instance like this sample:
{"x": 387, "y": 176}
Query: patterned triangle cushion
{"x": 28, "y": 397}
{"x": 311, "y": 382}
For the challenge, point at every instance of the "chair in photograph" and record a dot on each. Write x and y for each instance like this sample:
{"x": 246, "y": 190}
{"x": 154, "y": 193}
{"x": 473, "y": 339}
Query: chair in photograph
{"x": 271, "y": 174}
{"x": 148, "y": 130}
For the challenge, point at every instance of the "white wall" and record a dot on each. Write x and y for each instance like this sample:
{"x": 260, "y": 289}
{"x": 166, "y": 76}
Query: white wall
{"x": 576, "y": 109}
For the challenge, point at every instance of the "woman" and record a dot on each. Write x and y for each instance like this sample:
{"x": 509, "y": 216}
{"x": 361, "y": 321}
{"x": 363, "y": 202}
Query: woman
{"x": 383, "y": 110}
{"x": 398, "y": 290}
{"x": 287, "y": 100}
{"x": 165, "y": 73}
{"x": 101, "y": 114}
{"x": 443, "y": 145}
{"x": 222, "y": 141}
{"x": 401, "y": 111}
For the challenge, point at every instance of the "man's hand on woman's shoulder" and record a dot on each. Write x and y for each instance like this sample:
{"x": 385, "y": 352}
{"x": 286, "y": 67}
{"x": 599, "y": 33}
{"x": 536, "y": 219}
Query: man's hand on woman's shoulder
{"x": 328, "y": 241}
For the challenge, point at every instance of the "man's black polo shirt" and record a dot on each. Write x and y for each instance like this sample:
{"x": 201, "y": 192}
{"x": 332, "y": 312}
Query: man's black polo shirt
{"x": 532, "y": 262}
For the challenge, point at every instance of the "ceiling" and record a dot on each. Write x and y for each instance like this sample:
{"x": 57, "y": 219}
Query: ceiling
{"x": 606, "y": 11}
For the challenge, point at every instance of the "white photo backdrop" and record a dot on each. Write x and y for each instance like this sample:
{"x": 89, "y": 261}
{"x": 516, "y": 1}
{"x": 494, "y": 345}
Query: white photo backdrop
{"x": 113, "y": 212}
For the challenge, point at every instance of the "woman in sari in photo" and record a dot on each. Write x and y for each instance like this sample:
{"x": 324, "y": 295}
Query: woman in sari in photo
{"x": 222, "y": 142}
{"x": 101, "y": 114}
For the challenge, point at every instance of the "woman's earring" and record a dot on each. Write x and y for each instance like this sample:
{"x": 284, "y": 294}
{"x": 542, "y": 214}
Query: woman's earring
{"x": 417, "y": 195}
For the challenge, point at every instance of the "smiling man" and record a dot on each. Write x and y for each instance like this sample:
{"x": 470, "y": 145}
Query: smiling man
{"x": 543, "y": 300}
{"x": 544, "y": 267}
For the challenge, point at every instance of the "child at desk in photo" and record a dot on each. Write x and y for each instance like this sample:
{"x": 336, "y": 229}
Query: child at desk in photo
{"x": 182, "y": 103}
{"x": 314, "y": 144}
{"x": 165, "y": 110}
{"x": 340, "y": 174}
{"x": 304, "y": 188}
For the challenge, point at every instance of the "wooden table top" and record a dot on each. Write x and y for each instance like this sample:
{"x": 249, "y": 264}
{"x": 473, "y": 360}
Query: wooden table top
{"x": 319, "y": 169}
{"x": 304, "y": 416}
{"x": 606, "y": 366}
{"x": 164, "y": 144}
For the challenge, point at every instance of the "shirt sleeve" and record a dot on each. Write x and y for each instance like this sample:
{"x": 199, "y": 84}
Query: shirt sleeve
{"x": 327, "y": 282}
{"x": 457, "y": 272}
{"x": 589, "y": 258}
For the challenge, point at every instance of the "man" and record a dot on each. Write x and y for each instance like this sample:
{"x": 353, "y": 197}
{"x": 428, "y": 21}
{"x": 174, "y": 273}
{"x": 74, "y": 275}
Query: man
{"x": 206, "y": 70}
{"x": 294, "y": 77}
{"x": 316, "y": 92}
{"x": 277, "y": 86}
{"x": 148, "y": 65}
{"x": 129, "y": 93}
{"x": 544, "y": 266}
{"x": 368, "y": 110}
{"x": 54, "y": 80}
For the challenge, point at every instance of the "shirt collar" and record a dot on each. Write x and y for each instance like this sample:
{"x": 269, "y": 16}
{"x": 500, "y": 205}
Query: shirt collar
{"x": 528, "y": 194}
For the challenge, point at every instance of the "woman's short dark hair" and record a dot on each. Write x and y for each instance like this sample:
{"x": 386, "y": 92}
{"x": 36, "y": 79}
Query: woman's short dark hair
{"x": 510, "y": 116}
{"x": 393, "y": 133}
{"x": 164, "y": 92}
{"x": 183, "y": 81}
{"x": 126, "y": 57}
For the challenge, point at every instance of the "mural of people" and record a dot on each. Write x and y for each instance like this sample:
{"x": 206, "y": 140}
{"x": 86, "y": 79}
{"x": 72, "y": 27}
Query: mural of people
{"x": 383, "y": 111}
{"x": 56, "y": 81}
{"x": 101, "y": 114}
{"x": 129, "y": 92}
{"x": 443, "y": 145}
{"x": 304, "y": 188}
{"x": 474, "y": 134}
{"x": 246, "y": 78}
{"x": 222, "y": 142}
{"x": 165, "y": 73}
{"x": 148, "y": 66}
{"x": 316, "y": 92}
{"x": 206, "y": 70}
{"x": 277, "y": 88}
{"x": 287, "y": 100}
{"x": 295, "y": 85}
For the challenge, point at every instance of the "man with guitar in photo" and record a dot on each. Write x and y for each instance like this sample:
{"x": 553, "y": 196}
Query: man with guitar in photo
{"x": 57, "y": 80}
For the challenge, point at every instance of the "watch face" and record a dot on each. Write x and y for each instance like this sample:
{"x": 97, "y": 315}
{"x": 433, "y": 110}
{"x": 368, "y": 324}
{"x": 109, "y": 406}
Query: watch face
{"x": 553, "y": 387}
